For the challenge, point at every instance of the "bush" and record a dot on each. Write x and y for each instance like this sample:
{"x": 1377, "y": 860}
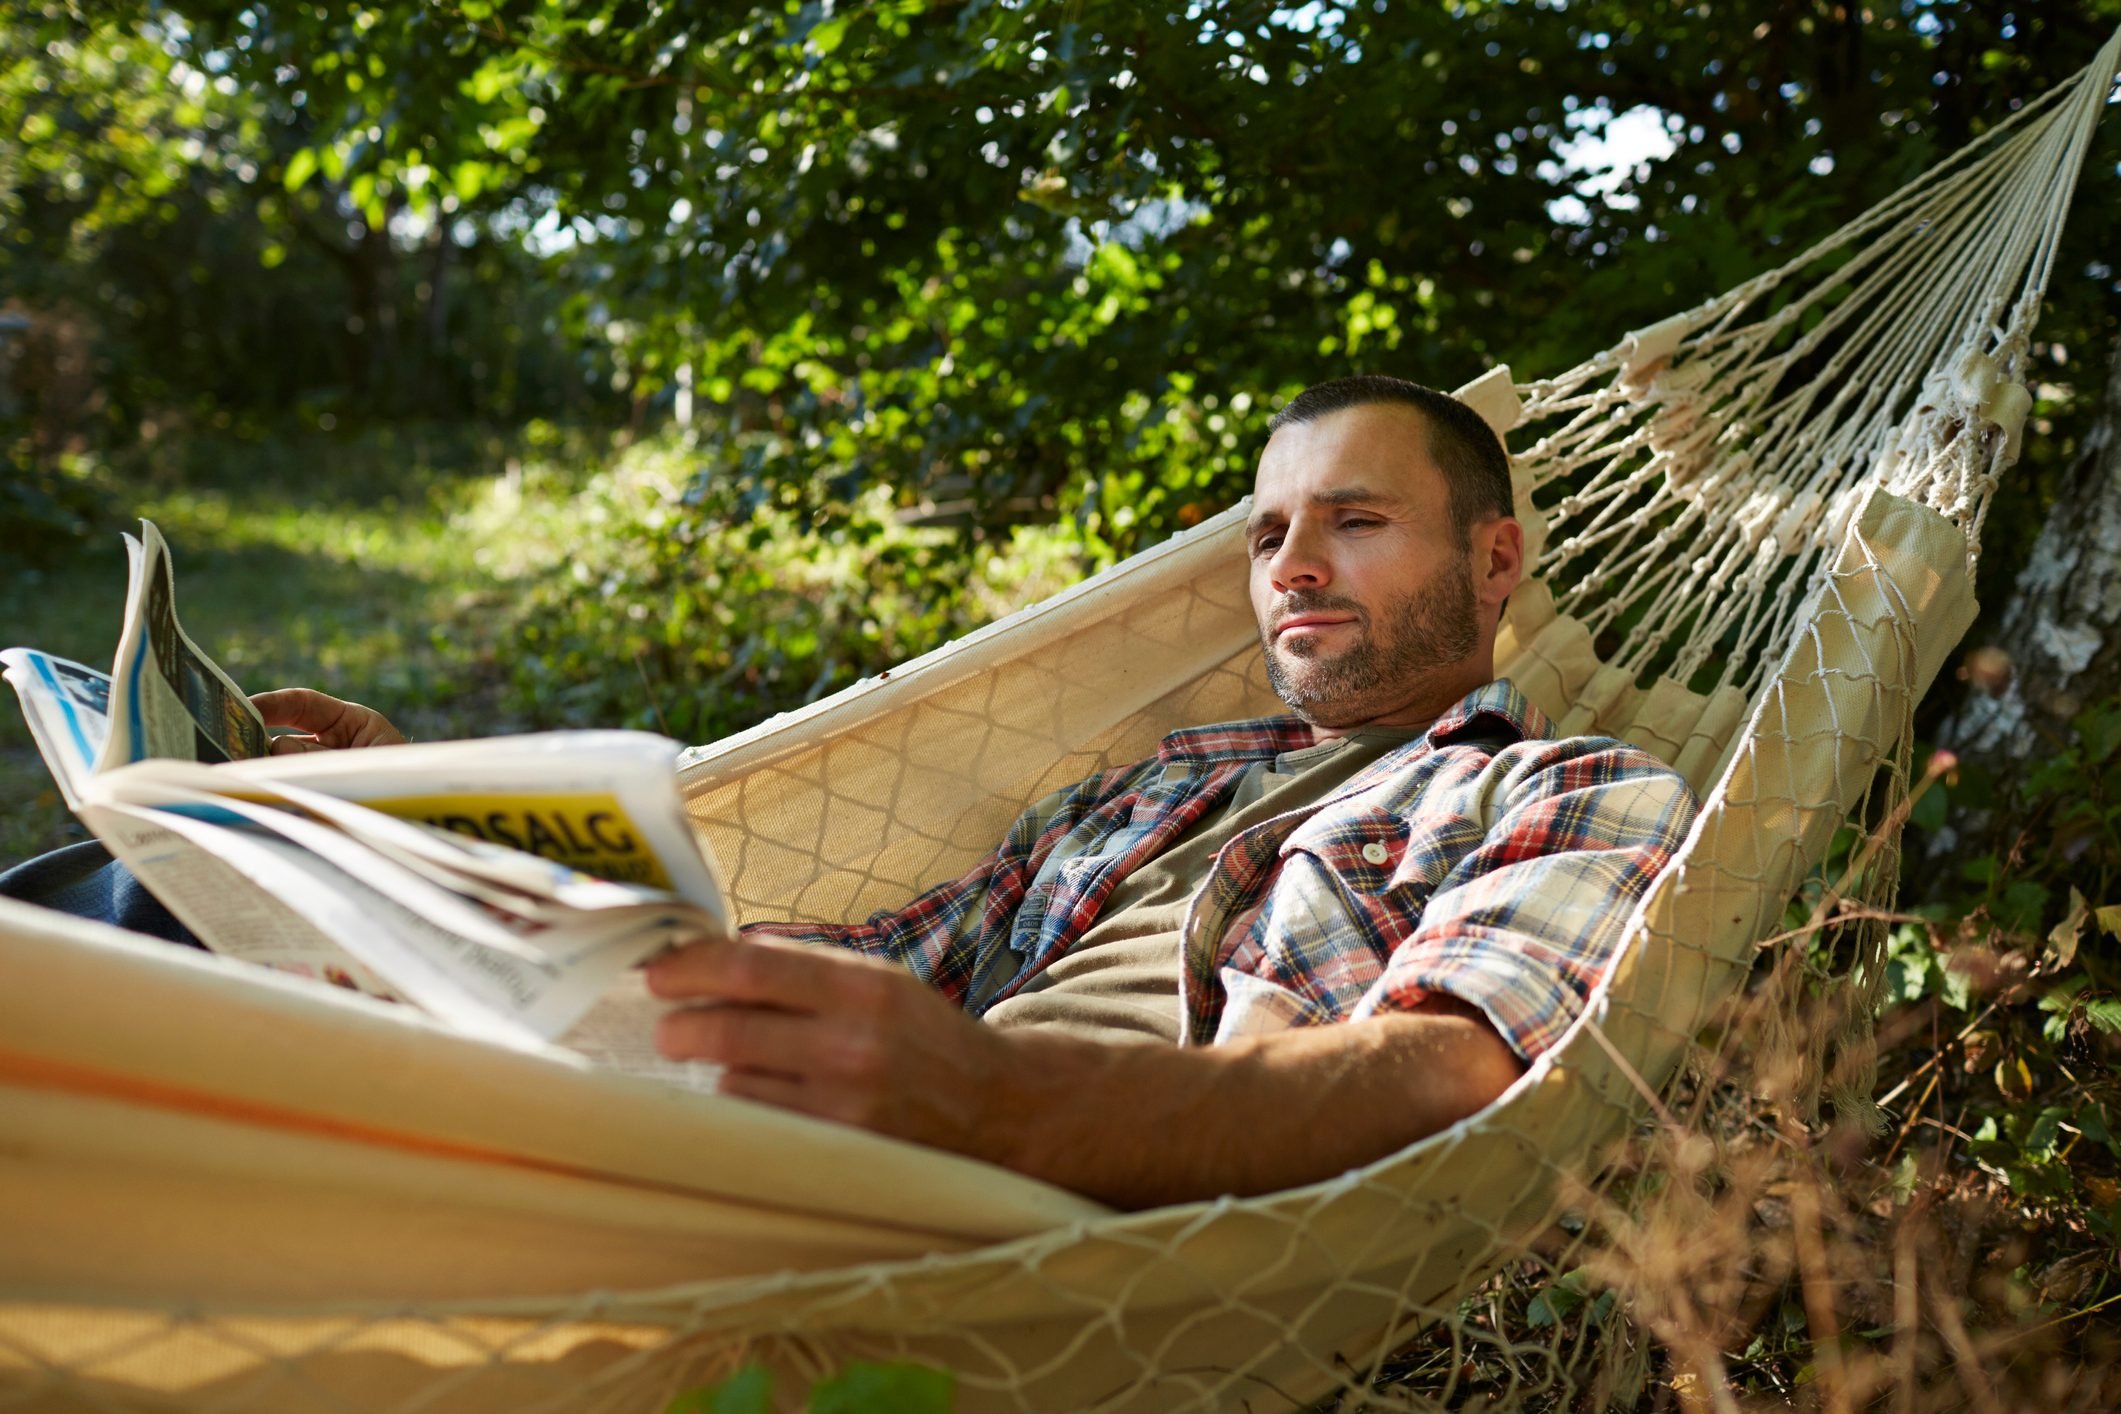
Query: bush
{"x": 49, "y": 506}
{"x": 695, "y": 605}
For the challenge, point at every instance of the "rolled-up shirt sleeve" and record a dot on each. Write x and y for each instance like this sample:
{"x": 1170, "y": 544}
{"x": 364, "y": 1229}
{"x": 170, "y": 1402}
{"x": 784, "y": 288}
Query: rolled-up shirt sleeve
{"x": 1525, "y": 923}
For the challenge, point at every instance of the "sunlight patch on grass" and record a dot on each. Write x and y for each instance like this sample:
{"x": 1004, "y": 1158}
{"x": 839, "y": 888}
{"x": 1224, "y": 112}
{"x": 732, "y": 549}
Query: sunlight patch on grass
{"x": 390, "y": 588}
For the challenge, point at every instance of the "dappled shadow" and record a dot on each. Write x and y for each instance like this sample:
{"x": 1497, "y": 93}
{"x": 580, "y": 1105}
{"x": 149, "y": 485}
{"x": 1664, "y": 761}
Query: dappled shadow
{"x": 379, "y": 467}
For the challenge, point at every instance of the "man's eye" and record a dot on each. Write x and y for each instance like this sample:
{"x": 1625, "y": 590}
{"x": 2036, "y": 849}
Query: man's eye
{"x": 1359, "y": 522}
{"x": 1265, "y": 544}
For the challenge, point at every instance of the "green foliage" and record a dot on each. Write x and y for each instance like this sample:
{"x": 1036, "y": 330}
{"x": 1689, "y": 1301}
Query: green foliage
{"x": 1015, "y": 262}
{"x": 748, "y": 1391}
{"x": 863, "y": 1387}
{"x": 1569, "y": 1295}
{"x": 48, "y": 506}
{"x": 2021, "y": 957}
{"x": 700, "y": 608}
{"x": 899, "y": 1388}
{"x": 144, "y": 213}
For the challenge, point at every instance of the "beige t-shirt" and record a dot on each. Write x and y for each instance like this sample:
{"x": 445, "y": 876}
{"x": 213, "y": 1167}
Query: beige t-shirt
{"x": 1120, "y": 981}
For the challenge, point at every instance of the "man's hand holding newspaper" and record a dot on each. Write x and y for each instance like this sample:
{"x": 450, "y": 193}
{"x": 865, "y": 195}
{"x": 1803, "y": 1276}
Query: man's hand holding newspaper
{"x": 321, "y": 723}
{"x": 507, "y": 887}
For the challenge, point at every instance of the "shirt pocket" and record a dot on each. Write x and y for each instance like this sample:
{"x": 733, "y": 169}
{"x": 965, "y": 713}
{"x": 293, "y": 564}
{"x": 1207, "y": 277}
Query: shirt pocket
{"x": 1362, "y": 849}
{"x": 1083, "y": 847}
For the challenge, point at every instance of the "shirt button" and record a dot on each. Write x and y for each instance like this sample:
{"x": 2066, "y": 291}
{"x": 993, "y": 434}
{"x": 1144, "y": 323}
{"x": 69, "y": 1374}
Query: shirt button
{"x": 1375, "y": 852}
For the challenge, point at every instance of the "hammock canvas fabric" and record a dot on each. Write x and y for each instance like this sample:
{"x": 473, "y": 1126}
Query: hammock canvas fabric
{"x": 1755, "y": 525}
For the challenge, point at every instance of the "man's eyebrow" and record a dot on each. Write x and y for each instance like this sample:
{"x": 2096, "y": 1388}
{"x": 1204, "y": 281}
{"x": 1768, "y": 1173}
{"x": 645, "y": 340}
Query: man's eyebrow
{"x": 1349, "y": 496}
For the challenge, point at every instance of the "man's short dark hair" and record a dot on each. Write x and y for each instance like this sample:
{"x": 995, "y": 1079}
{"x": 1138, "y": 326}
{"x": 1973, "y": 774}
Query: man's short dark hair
{"x": 1475, "y": 466}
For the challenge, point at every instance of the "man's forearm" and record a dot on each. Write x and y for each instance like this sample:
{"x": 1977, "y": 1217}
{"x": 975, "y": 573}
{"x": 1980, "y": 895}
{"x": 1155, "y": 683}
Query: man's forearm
{"x": 1139, "y": 1125}
{"x": 862, "y": 1042}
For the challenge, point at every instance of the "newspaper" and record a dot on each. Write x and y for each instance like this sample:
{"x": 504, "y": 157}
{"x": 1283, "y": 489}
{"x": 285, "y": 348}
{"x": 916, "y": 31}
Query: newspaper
{"x": 507, "y": 887}
{"x": 162, "y": 698}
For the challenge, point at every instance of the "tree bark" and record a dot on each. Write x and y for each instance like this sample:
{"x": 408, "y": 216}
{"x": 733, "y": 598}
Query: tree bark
{"x": 2057, "y": 648}
{"x": 434, "y": 352}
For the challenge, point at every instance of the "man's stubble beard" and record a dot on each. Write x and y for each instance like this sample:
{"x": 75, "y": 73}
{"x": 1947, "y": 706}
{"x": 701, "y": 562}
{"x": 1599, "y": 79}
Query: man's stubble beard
{"x": 1433, "y": 627}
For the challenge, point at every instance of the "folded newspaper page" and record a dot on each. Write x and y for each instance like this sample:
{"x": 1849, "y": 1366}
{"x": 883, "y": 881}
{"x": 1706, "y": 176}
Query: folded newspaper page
{"x": 67, "y": 707}
{"x": 163, "y": 697}
{"x": 508, "y": 887}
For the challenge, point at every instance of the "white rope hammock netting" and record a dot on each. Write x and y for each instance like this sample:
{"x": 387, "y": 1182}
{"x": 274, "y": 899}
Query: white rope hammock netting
{"x": 1755, "y": 525}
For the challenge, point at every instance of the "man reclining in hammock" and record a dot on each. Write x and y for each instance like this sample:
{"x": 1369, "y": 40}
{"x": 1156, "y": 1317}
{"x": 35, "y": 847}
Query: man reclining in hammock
{"x": 1409, "y": 855}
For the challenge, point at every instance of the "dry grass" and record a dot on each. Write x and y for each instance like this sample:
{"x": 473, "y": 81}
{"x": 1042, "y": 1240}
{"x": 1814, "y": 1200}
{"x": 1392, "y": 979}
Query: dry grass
{"x": 1759, "y": 1246}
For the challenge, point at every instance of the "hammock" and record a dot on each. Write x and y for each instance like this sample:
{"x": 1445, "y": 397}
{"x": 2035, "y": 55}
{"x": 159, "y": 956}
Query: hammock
{"x": 1755, "y": 525}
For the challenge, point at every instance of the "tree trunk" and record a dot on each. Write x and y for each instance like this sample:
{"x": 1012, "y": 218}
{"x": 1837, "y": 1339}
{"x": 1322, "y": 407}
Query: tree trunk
{"x": 434, "y": 352}
{"x": 2057, "y": 648}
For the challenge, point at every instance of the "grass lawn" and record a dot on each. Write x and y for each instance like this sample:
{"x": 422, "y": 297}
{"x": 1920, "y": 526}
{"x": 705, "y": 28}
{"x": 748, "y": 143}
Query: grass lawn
{"x": 378, "y": 569}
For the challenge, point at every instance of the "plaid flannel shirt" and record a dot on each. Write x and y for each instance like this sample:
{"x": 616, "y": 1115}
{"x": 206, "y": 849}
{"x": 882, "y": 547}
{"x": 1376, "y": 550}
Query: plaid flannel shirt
{"x": 1482, "y": 860}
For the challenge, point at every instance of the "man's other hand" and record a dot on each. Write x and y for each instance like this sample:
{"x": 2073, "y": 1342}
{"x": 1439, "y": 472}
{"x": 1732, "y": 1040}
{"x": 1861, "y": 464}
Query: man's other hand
{"x": 322, "y": 723}
{"x": 832, "y": 1035}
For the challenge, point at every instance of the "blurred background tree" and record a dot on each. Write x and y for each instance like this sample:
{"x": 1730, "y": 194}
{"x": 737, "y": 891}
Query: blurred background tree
{"x": 993, "y": 292}
{"x": 970, "y": 265}
{"x": 1012, "y": 261}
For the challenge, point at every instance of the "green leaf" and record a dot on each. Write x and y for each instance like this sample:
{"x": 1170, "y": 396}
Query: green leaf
{"x": 1956, "y": 988}
{"x": 2105, "y": 1013}
{"x": 2108, "y": 917}
{"x": 490, "y": 82}
{"x": 300, "y": 168}
{"x": 2021, "y": 904}
{"x": 830, "y": 35}
{"x": 897, "y": 1388}
{"x": 2040, "y": 1139}
{"x": 2099, "y": 731}
{"x": 1905, "y": 1176}
{"x": 1557, "y": 1302}
{"x": 2093, "y": 1123}
{"x": 1906, "y": 978}
{"x": 2063, "y": 996}
{"x": 748, "y": 1391}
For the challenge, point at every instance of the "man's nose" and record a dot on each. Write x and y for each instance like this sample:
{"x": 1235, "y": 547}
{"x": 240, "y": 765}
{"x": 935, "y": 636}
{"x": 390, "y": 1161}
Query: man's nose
{"x": 1300, "y": 560}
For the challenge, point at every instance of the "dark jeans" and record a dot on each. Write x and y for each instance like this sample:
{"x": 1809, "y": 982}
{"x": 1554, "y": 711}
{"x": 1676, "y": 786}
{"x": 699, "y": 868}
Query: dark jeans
{"x": 82, "y": 879}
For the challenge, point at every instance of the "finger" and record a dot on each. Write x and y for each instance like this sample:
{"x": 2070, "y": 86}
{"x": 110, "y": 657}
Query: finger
{"x": 846, "y": 1052}
{"x": 303, "y": 708}
{"x": 758, "y": 971}
{"x": 776, "y": 1090}
{"x": 819, "y": 1100}
{"x": 295, "y": 745}
{"x": 333, "y": 722}
{"x": 740, "y": 1038}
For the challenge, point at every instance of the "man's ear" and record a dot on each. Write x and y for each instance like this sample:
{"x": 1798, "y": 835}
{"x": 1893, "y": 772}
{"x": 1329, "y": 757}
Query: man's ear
{"x": 1498, "y": 560}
